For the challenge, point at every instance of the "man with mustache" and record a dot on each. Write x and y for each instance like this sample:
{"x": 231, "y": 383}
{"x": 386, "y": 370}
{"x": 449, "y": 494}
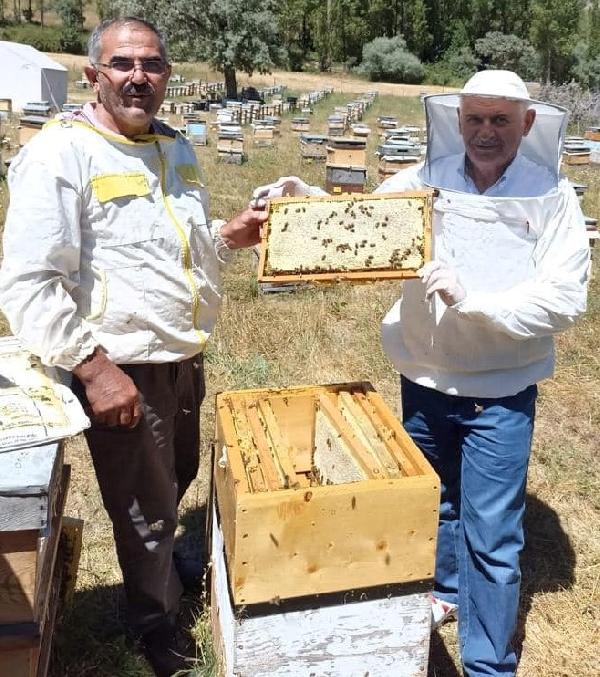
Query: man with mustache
{"x": 111, "y": 272}
{"x": 474, "y": 335}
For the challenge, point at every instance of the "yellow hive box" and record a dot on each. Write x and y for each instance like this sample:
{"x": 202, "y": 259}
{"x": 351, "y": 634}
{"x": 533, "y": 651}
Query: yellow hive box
{"x": 359, "y": 237}
{"x": 319, "y": 489}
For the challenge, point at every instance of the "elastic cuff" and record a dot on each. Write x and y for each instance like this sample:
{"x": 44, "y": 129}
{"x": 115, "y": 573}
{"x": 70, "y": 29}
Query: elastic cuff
{"x": 223, "y": 252}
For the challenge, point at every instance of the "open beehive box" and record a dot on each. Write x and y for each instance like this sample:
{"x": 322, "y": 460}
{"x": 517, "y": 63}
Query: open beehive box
{"x": 319, "y": 489}
{"x": 352, "y": 237}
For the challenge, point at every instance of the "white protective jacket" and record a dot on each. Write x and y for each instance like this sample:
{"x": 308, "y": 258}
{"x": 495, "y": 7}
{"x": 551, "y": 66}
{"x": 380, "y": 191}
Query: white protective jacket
{"x": 522, "y": 261}
{"x": 107, "y": 243}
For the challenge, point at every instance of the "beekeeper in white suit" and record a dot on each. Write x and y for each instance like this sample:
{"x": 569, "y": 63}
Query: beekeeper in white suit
{"x": 473, "y": 336}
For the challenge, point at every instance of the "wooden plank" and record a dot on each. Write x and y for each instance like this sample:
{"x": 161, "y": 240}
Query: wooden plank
{"x": 247, "y": 447}
{"x": 364, "y": 427}
{"x": 224, "y": 487}
{"x": 19, "y": 662}
{"x": 229, "y": 438}
{"x": 18, "y": 571}
{"x": 281, "y": 450}
{"x": 386, "y": 636}
{"x": 71, "y": 540}
{"x": 362, "y": 455}
{"x": 408, "y": 446}
{"x": 323, "y": 539}
{"x": 271, "y": 473}
{"x": 387, "y": 435}
{"x": 298, "y": 412}
{"x": 54, "y": 600}
{"x": 46, "y": 570}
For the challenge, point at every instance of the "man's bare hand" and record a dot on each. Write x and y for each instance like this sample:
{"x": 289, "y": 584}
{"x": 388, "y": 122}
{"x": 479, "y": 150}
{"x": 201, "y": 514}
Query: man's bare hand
{"x": 112, "y": 394}
{"x": 244, "y": 229}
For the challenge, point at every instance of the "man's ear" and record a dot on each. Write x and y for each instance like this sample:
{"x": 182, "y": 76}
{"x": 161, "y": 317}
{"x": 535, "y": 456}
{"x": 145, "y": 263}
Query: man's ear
{"x": 92, "y": 75}
{"x": 529, "y": 120}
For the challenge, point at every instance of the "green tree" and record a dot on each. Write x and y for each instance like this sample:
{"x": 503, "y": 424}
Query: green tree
{"x": 418, "y": 37}
{"x": 71, "y": 19}
{"x": 232, "y": 35}
{"x": 554, "y": 34}
{"x": 508, "y": 52}
{"x": 293, "y": 18}
{"x": 388, "y": 59}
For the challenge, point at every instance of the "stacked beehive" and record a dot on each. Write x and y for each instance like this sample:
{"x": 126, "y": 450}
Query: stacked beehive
{"x": 197, "y": 131}
{"x": 263, "y": 133}
{"x": 300, "y": 124}
{"x": 346, "y": 169}
{"x": 336, "y": 124}
{"x": 313, "y": 147}
{"x": 324, "y": 527}
{"x": 230, "y": 144}
{"x": 33, "y": 489}
{"x": 576, "y": 151}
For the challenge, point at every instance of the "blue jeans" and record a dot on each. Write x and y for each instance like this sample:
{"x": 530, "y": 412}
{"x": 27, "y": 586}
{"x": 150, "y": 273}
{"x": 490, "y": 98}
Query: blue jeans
{"x": 480, "y": 449}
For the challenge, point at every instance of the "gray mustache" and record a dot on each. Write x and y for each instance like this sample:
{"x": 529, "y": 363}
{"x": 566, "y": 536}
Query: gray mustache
{"x": 133, "y": 88}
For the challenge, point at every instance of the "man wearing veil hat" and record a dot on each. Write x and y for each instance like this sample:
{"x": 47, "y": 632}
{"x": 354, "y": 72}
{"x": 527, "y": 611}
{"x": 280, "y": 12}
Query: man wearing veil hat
{"x": 474, "y": 335}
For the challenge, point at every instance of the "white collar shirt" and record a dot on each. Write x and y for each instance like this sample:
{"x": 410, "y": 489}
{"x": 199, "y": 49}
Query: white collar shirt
{"x": 522, "y": 178}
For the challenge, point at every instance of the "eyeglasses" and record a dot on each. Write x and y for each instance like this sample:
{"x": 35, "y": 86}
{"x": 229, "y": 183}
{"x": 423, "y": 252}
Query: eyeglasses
{"x": 152, "y": 66}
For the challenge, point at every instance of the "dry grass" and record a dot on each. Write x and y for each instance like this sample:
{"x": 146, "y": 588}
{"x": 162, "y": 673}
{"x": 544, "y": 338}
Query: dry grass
{"x": 332, "y": 334}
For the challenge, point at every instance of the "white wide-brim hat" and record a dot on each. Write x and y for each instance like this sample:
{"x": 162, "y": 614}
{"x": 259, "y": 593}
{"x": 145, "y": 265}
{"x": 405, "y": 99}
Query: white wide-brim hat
{"x": 505, "y": 84}
{"x": 542, "y": 145}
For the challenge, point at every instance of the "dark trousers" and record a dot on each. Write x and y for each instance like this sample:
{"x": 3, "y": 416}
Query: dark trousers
{"x": 143, "y": 473}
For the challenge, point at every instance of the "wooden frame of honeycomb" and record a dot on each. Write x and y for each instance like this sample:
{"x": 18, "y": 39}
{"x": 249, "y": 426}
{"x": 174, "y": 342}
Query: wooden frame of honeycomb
{"x": 346, "y": 237}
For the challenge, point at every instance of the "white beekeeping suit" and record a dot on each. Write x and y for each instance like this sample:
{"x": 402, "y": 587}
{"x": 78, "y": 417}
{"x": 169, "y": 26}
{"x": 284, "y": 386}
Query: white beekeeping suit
{"x": 520, "y": 251}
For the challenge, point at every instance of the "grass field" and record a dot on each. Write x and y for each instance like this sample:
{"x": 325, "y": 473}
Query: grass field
{"x": 332, "y": 334}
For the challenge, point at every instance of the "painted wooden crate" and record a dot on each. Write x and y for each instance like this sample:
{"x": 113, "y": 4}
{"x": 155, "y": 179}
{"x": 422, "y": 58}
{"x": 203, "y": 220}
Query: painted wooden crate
{"x": 33, "y": 488}
{"x": 383, "y": 632}
{"x": 343, "y": 151}
{"x": 351, "y": 237}
{"x": 576, "y": 157}
{"x": 313, "y": 146}
{"x": 319, "y": 489}
{"x": 345, "y": 179}
{"x": 300, "y": 125}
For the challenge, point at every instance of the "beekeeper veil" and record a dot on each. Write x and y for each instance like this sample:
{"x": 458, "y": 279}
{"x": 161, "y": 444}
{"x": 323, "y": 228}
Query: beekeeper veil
{"x": 543, "y": 144}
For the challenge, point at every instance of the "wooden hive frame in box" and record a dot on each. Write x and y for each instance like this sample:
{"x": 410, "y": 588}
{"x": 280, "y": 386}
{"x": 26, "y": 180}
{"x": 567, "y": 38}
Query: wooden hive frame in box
{"x": 346, "y": 237}
{"x": 319, "y": 489}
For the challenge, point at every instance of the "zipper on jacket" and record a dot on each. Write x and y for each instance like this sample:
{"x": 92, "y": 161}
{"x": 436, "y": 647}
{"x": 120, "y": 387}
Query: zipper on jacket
{"x": 186, "y": 255}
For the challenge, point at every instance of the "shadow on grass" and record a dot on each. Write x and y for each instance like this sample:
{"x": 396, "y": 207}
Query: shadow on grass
{"x": 91, "y": 638}
{"x": 441, "y": 662}
{"x": 548, "y": 560}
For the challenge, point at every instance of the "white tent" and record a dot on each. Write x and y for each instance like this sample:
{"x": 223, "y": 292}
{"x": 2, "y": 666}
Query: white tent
{"x": 29, "y": 75}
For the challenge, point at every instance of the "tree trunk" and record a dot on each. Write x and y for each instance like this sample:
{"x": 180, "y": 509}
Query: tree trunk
{"x": 230, "y": 82}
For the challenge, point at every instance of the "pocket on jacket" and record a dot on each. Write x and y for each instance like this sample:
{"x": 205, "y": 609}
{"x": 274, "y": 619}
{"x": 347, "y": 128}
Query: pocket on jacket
{"x": 108, "y": 187}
